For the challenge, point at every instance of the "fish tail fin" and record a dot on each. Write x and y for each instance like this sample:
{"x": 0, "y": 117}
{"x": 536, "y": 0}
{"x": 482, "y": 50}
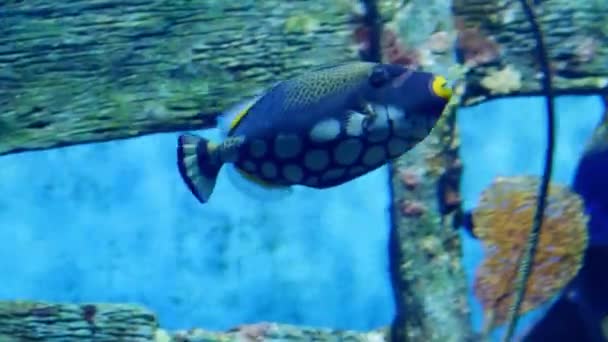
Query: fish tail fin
{"x": 198, "y": 164}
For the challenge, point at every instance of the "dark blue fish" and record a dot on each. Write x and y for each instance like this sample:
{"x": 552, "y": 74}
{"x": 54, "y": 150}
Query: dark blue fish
{"x": 321, "y": 129}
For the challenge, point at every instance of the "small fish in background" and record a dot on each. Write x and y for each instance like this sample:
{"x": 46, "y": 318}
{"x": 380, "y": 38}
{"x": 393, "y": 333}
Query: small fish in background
{"x": 321, "y": 129}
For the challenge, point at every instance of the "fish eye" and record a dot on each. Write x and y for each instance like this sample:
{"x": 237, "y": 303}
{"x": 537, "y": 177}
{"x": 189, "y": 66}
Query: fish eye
{"x": 379, "y": 77}
{"x": 439, "y": 87}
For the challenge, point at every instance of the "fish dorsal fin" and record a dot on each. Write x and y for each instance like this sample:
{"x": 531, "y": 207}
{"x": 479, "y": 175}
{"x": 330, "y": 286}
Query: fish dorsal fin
{"x": 229, "y": 120}
{"x": 237, "y": 119}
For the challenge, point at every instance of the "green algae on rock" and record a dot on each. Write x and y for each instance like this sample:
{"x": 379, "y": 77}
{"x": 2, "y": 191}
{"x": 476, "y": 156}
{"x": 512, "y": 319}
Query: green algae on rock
{"x": 40, "y": 321}
{"x": 97, "y": 70}
{"x": 426, "y": 256}
{"x": 54, "y": 322}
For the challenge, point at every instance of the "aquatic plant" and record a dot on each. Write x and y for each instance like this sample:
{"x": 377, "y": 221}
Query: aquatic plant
{"x": 527, "y": 261}
{"x": 503, "y": 221}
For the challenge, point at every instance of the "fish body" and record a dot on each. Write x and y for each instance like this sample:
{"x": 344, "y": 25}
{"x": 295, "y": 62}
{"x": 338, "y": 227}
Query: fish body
{"x": 321, "y": 129}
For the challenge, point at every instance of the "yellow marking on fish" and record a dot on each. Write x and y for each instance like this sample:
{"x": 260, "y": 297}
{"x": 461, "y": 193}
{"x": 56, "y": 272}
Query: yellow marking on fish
{"x": 440, "y": 88}
{"x": 237, "y": 119}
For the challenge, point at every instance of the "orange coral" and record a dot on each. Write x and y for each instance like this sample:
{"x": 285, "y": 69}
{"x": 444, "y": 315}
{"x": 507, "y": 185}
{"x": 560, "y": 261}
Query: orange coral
{"x": 503, "y": 221}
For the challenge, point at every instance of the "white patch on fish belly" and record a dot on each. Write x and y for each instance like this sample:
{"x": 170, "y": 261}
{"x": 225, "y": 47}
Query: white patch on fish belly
{"x": 257, "y": 148}
{"x": 397, "y": 147}
{"x": 357, "y": 170}
{"x": 347, "y": 151}
{"x": 402, "y": 125}
{"x": 325, "y": 130}
{"x": 316, "y": 160}
{"x": 293, "y": 173}
{"x": 287, "y": 145}
{"x": 379, "y": 128}
{"x": 333, "y": 174}
{"x": 374, "y": 156}
{"x": 269, "y": 170}
{"x": 249, "y": 166}
{"x": 354, "y": 123}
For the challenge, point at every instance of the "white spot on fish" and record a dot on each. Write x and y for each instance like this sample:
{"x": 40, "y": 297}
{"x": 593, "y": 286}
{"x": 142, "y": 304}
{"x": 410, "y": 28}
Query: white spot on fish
{"x": 325, "y": 130}
{"x": 333, "y": 174}
{"x": 374, "y": 155}
{"x": 347, "y": 151}
{"x": 316, "y": 160}
{"x": 397, "y": 147}
{"x": 257, "y": 148}
{"x": 293, "y": 173}
{"x": 354, "y": 123}
{"x": 269, "y": 170}
{"x": 402, "y": 125}
{"x": 287, "y": 145}
{"x": 379, "y": 129}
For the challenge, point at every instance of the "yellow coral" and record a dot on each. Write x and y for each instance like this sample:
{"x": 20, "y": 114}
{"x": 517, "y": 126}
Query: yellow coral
{"x": 503, "y": 221}
{"x": 502, "y": 81}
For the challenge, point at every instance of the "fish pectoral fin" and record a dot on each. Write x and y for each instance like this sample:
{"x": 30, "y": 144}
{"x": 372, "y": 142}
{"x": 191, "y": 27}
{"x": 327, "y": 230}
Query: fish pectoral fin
{"x": 368, "y": 110}
{"x": 356, "y": 123}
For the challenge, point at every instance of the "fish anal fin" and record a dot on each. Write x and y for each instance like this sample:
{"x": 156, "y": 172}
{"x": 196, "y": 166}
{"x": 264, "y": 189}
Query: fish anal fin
{"x": 258, "y": 181}
{"x": 254, "y": 187}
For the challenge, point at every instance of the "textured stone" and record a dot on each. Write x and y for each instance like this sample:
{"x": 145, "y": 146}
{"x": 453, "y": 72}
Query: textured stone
{"x": 425, "y": 252}
{"x": 54, "y": 322}
{"x": 93, "y": 70}
{"x": 36, "y": 321}
{"x": 575, "y": 33}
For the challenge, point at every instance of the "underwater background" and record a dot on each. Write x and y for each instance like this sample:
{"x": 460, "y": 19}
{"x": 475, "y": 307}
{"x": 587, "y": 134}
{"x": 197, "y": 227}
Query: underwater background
{"x": 113, "y": 222}
{"x": 102, "y": 240}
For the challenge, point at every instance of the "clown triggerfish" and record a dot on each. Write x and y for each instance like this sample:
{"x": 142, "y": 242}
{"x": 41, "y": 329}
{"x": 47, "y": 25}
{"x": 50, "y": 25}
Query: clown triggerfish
{"x": 321, "y": 129}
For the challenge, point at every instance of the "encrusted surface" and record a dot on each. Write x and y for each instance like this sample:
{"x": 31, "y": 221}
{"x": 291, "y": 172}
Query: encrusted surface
{"x": 428, "y": 276}
{"x": 93, "y": 70}
{"x": 495, "y": 38}
{"x": 39, "y": 321}
{"x": 55, "y": 322}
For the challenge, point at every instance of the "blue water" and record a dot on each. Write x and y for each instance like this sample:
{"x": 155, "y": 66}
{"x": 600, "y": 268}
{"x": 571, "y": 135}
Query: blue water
{"x": 113, "y": 222}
